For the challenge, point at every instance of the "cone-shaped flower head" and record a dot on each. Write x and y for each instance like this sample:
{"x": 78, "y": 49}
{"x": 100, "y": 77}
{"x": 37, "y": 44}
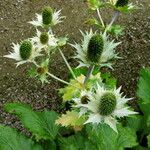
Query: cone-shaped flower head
{"x": 107, "y": 103}
{"x": 95, "y": 48}
{"x": 44, "y": 38}
{"x": 25, "y": 49}
{"x": 47, "y": 15}
{"x": 121, "y": 3}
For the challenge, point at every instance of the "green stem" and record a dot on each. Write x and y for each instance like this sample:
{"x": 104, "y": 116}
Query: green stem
{"x": 90, "y": 70}
{"x": 69, "y": 67}
{"x": 114, "y": 18}
{"x": 60, "y": 80}
{"x": 100, "y": 17}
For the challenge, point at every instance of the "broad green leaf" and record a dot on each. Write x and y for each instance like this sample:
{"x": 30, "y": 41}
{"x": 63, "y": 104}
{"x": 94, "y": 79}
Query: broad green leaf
{"x": 41, "y": 124}
{"x": 144, "y": 86}
{"x": 10, "y": 139}
{"x": 103, "y": 136}
{"x": 71, "y": 118}
{"x": 76, "y": 142}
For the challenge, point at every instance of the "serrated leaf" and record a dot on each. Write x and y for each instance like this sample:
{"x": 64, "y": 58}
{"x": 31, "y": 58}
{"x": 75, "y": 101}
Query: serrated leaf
{"x": 71, "y": 118}
{"x": 41, "y": 124}
{"x": 10, "y": 139}
{"x": 117, "y": 30}
{"x": 71, "y": 91}
{"x": 144, "y": 86}
{"x": 103, "y": 135}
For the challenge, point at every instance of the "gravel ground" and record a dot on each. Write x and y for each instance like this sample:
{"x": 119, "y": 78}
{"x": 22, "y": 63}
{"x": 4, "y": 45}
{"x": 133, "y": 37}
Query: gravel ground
{"x": 14, "y": 83}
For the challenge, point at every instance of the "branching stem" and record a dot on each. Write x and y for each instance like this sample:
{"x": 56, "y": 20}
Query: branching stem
{"x": 69, "y": 67}
{"x": 90, "y": 70}
{"x": 100, "y": 17}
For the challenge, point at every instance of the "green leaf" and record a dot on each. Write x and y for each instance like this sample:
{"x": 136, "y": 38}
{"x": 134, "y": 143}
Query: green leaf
{"x": 71, "y": 118}
{"x": 41, "y": 124}
{"x": 108, "y": 80}
{"x": 135, "y": 122}
{"x": 143, "y": 91}
{"x": 94, "y": 4}
{"x": 76, "y": 142}
{"x": 103, "y": 135}
{"x": 116, "y": 30}
{"x": 10, "y": 139}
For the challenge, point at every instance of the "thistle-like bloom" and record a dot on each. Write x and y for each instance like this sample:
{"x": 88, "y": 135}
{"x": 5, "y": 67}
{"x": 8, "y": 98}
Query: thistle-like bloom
{"x": 107, "y": 105}
{"x": 45, "y": 40}
{"x": 47, "y": 18}
{"x": 95, "y": 49}
{"x": 84, "y": 98}
{"x": 122, "y": 5}
{"x": 23, "y": 53}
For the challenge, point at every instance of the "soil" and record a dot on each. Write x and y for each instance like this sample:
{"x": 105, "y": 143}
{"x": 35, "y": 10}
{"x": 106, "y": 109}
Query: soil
{"x": 14, "y": 82}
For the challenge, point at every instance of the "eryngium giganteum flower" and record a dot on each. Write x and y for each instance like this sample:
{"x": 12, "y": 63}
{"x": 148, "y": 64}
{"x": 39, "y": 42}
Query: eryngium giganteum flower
{"x": 95, "y": 49}
{"x": 25, "y": 52}
{"x": 47, "y": 18}
{"x": 105, "y": 106}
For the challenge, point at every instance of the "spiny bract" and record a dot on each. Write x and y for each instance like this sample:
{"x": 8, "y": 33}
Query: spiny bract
{"x": 107, "y": 104}
{"x": 122, "y": 3}
{"x": 47, "y": 15}
{"x": 95, "y": 48}
{"x": 44, "y": 38}
{"x": 25, "y": 49}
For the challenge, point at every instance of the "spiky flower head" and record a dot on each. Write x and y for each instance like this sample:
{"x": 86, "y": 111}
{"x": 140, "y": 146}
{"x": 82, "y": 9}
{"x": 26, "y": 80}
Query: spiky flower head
{"x": 121, "y": 3}
{"x": 25, "y": 49}
{"x": 44, "y": 37}
{"x": 47, "y": 15}
{"x": 95, "y": 48}
{"x": 107, "y": 103}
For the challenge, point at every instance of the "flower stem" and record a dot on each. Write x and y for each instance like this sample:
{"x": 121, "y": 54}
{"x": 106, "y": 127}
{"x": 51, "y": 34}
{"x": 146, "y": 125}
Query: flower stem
{"x": 90, "y": 70}
{"x": 69, "y": 67}
{"x": 60, "y": 80}
{"x": 100, "y": 17}
{"x": 114, "y": 18}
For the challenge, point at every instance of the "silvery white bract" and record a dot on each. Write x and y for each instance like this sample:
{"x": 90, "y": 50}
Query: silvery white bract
{"x": 84, "y": 98}
{"x": 45, "y": 40}
{"x": 56, "y": 18}
{"x": 16, "y": 55}
{"x": 107, "y": 55}
{"x": 106, "y": 105}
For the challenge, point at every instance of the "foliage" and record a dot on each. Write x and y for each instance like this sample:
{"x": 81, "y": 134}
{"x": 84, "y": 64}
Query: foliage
{"x": 41, "y": 124}
{"x": 10, "y": 139}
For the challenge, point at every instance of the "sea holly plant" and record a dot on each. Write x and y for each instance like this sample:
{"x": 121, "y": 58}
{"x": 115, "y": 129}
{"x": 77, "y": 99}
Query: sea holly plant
{"x": 97, "y": 108}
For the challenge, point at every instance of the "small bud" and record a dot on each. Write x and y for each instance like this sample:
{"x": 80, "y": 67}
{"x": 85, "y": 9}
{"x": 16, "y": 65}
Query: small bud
{"x": 85, "y": 99}
{"x": 25, "y": 49}
{"x": 47, "y": 15}
{"x": 107, "y": 104}
{"x": 95, "y": 48}
{"x": 44, "y": 38}
{"x": 122, "y": 3}
{"x": 41, "y": 70}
